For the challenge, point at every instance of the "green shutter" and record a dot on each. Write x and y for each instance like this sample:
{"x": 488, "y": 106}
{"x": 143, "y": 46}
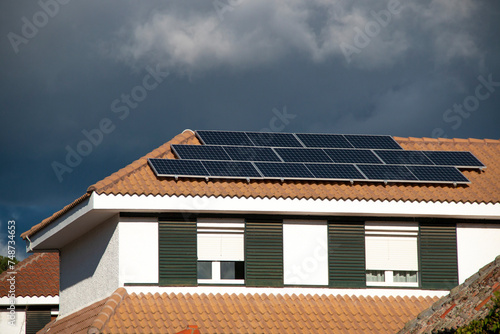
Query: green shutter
{"x": 264, "y": 253}
{"x": 177, "y": 253}
{"x": 36, "y": 320}
{"x": 438, "y": 256}
{"x": 346, "y": 254}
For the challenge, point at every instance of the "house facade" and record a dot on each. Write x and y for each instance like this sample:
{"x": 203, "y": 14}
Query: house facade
{"x": 145, "y": 233}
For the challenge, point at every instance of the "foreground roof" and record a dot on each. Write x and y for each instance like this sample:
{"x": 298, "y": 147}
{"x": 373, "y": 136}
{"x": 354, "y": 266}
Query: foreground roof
{"x": 465, "y": 303}
{"x": 139, "y": 179}
{"x": 36, "y": 276}
{"x": 250, "y": 313}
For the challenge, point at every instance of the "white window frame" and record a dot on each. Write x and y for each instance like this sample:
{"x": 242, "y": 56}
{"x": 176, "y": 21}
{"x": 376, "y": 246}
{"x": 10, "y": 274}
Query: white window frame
{"x": 398, "y": 230}
{"x": 224, "y": 227}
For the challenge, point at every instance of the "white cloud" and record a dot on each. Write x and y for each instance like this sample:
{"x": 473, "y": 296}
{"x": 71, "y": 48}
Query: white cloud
{"x": 244, "y": 33}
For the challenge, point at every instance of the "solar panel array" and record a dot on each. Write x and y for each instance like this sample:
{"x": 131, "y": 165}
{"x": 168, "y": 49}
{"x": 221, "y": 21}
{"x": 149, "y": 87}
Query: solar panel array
{"x": 330, "y": 157}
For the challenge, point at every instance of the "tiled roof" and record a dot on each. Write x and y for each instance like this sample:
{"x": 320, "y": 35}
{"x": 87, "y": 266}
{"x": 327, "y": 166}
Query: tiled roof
{"x": 138, "y": 178}
{"x": 466, "y": 302}
{"x": 36, "y": 276}
{"x": 250, "y": 313}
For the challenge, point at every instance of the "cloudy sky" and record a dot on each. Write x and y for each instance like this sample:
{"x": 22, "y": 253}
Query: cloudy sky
{"x": 130, "y": 75}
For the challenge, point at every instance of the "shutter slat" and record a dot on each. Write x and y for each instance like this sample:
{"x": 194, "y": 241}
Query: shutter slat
{"x": 346, "y": 254}
{"x": 438, "y": 256}
{"x": 36, "y": 320}
{"x": 177, "y": 253}
{"x": 264, "y": 253}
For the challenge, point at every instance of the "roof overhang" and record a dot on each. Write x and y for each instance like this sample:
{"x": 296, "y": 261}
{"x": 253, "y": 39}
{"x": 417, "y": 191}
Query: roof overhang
{"x": 98, "y": 208}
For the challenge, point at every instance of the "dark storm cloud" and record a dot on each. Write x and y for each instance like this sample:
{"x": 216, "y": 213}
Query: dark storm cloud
{"x": 396, "y": 67}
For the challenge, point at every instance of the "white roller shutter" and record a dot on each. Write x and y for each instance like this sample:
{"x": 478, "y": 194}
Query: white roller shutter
{"x": 221, "y": 240}
{"x": 391, "y": 253}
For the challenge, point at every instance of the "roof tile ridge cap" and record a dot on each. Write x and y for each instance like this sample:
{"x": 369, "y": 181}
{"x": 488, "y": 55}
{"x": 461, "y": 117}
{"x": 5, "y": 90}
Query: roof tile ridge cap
{"x": 54, "y": 216}
{"x": 23, "y": 264}
{"x": 107, "y": 311}
{"x": 112, "y": 179}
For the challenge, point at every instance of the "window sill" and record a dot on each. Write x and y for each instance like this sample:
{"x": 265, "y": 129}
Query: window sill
{"x": 393, "y": 284}
{"x": 222, "y": 281}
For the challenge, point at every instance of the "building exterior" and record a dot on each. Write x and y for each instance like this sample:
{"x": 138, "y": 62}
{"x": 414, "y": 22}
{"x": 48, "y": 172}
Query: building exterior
{"x": 264, "y": 255}
{"x": 35, "y": 286}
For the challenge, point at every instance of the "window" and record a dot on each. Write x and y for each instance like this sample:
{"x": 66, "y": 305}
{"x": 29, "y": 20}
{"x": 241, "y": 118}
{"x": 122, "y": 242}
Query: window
{"x": 221, "y": 252}
{"x": 391, "y": 254}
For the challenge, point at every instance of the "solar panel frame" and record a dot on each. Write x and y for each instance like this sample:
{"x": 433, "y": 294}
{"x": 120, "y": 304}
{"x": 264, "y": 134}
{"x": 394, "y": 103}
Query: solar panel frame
{"x": 353, "y": 156}
{"x": 403, "y": 157}
{"x": 231, "y": 169}
{"x": 339, "y": 172}
{"x": 438, "y": 174}
{"x": 313, "y": 140}
{"x": 177, "y": 167}
{"x": 284, "y": 170}
{"x": 459, "y": 159}
{"x": 243, "y": 153}
{"x": 302, "y": 155}
{"x": 200, "y": 152}
{"x": 224, "y": 138}
{"x": 373, "y": 142}
{"x": 274, "y": 139}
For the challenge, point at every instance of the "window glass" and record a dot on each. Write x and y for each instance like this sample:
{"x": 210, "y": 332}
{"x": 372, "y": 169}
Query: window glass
{"x": 232, "y": 270}
{"x": 204, "y": 270}
{"x": 375, "y": 276}
{"x": 405, "y": 276}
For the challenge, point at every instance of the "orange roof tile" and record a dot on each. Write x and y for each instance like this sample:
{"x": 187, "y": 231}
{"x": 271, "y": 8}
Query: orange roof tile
{"x": 36, "y": 276}
{"x": 139, "y": 179}
{"x": 250, "y": 313}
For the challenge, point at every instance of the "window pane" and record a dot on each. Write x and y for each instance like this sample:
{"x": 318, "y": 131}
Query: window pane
{"x": 375, "y": 276}
{"x": 232, "y": 270}
{"x": 204, "y": 270}
{"x": 405, "y": 276}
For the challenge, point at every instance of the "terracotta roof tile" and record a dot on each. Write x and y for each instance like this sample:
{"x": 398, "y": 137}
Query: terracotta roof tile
{"x": 251, "y": 313}
{"x": 465, "y": 303}
{"x": 138, "y": 179}
{"x": 36, "y": 276}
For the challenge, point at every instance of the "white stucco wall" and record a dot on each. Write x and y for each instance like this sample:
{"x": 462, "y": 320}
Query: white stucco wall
{"x": 89, "y": 267}
{"x": 138, "y": 250}
{"x": 477, "y": 245}
{"x": 19, "y": 324}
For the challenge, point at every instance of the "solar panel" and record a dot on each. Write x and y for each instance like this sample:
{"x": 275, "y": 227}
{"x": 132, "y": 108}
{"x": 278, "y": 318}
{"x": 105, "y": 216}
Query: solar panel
{"x": 454, "y": 158}
{"x": 335, "y": 171}
{"x": 387, "y": 173}
{"x": 200, "y": 152}
{"x": 374, "y": 142}
{"x": 438, "y": 174}
{"x": 323, "y": 140}
{"x": 250, "y": 153}
{"x": 174, "y": 167}
{"x": 272, "y": 139}
{"x": 302, "y": 155}
{"x": 224, "y": 138}
{"x": 400, "y": 157}
{"x": 231, "y": 169}
{"x": 284, "y": 170}
{"x": 352, "y": 156}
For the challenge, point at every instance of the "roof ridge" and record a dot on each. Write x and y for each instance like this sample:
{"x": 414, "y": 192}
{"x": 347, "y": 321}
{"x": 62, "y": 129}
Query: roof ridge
{"x": 132, "y": 167}
{"x": 447, "y": 140}
{"x": 24, "y": 263}
{"x": 107, "y": 311}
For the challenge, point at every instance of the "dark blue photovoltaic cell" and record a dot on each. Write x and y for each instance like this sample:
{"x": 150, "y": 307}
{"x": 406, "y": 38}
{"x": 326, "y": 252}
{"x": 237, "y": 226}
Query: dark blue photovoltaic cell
{"x": 174, "y": 167}
{"x": 284, "y": 170}
{"x": 272, "y": 139}
{"x": 231, "y": 168}
{"x": 454, "y": 158}
{"x": 251, "y": 153}
{"x": 438, "y": 174}
{"x": 200, "y": 152}
{"x": 374, "y": 142}
{"x": 387, "y": 173}
{"x": 323, "y": 140}
{"x": 335, "y": 171}
{"x": 352, "y": 156}
{"x": 302, "y": 155}
{"x": 400, "y": 157}
{"x": 224, "y": 138}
